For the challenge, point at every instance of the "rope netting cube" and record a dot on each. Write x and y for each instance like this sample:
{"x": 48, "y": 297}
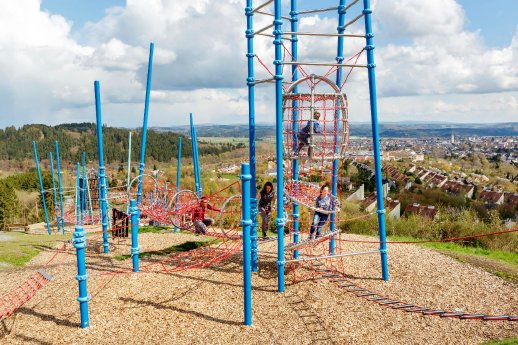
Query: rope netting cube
{"x": 315, "y": 124}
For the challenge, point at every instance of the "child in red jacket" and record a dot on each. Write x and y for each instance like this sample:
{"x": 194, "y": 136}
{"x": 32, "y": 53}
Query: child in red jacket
{"x": 198, "y": 216}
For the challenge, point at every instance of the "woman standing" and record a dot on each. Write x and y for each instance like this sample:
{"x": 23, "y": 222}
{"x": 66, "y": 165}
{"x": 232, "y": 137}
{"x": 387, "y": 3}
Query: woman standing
{"x": 265, "y": 206}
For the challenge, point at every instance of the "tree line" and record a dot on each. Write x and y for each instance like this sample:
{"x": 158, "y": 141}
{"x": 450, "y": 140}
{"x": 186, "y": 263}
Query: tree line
{"x": 75, "y": 138}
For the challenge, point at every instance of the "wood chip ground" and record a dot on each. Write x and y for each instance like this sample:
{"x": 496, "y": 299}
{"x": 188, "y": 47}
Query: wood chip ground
{"x": 205, "y": 306}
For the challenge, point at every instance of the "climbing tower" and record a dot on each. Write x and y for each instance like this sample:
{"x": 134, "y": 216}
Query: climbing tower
{"x": 311, "y": 113}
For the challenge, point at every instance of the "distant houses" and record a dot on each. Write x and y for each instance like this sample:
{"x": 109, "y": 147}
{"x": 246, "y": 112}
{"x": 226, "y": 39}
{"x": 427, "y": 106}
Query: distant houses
{"x": 397, "y": 176}
{"x": 490, "y": 198}
{"x": 392, "y": 207}
{"x": 422, "y": 210}
{"x": 459, "y": 188}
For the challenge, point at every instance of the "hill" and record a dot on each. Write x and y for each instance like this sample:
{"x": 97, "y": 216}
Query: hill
{"x": 74, "y": 138}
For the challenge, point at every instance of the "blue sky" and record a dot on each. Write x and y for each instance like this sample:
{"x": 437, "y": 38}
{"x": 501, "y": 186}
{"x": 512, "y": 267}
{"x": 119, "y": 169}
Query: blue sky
{"x": 437, "y": 60}
{"x": 497, "y": 20}
{"x": 80, "y": 11}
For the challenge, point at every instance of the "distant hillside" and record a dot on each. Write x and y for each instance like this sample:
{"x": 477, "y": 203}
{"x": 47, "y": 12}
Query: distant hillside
{"x": 387, "y": 130}
{"x": 16, "y": 144}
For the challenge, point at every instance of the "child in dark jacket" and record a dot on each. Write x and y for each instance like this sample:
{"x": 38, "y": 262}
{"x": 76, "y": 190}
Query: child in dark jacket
{"x": 304, "y": 134}
{"x": 265, "y": 206}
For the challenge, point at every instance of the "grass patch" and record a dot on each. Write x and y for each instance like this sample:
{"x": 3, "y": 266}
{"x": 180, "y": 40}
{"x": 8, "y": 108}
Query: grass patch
{"x": 19, "y": 248}
{"x": 509, "y": 341}
{"x": 151, "y": 229}
{"x": 184, "y": 247}
{"x": 499, "y": 255}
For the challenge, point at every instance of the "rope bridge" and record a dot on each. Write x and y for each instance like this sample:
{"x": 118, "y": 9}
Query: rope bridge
{"x": 21, "y": 294}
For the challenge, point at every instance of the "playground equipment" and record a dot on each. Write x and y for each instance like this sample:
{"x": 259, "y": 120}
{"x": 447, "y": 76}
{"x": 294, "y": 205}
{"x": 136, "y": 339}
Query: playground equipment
{"x": 315, "y": 119}
{"x": 42, "y": 191}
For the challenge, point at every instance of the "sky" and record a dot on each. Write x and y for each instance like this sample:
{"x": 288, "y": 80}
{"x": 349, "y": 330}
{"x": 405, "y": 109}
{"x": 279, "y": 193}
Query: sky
{"x": 436, "y": 60}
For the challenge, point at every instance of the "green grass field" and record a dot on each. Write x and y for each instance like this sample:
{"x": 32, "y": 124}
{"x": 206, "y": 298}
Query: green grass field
{"x": 223, "y": 140}
{"x": 510, "y": 341}
{"x": 17, "y": 249}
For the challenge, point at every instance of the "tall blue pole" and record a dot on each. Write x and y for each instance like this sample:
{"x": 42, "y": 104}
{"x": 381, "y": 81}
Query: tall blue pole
{"x": 250, "y": 81}
{"x": 178, "y": 172}
{"x": 42, "y": 191}
{"x": 79, "y": 242}
{"x": 129, "y": 164}
{"x": 198, "y": 171}
{"x": 79, "y": 219}
{"x": 371, "y": 66}
{"x": 339, "y": 60}
{"x": 102, "y": 176}
{"x": 280, "y": 221}
{"x": 56, "y": 211}
{"x": 144, "y": 125}
{"x": 83, "y": 188}
{"x": 195, "y": 158}
{"x": 58, "y": 165}
{"x": 246, "y": 223}
{"x": 294, "y": 21}
{"x": 134, "y": 211}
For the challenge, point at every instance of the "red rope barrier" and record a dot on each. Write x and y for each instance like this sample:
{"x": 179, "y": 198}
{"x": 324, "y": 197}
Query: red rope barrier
{"x": 452, "y": 239}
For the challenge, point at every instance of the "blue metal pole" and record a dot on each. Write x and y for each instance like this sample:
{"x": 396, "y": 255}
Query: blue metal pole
{"x": 42, "y": 191}
{"x": 339, "y": 60}
{"x": 250, "y": 81}
{"x": 79, "y": 242}
{"x": 102, "y": 176}
{"x": 367, "y": 11}
{"x": 54, "y": 190}
{"x": 280, "y": 221}
{"x": 144, "y": 125}
{"x": 246, "y": 222}
{"x": 196, "y": 160}
{"x": 79, "y": 219}
{"x": 178, "y": 175}
{"x": 58, "y": 165}
{"x": 294, "y": 20}
{"x": 134, "y": 211}
{"x": 198, "y": 169}
{"x": 83, "y": 189}
{"x": 129, "y": 164}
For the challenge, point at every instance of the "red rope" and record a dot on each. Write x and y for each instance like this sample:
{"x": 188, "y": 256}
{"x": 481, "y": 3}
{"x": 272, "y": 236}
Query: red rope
{"x": 452, "y": 239}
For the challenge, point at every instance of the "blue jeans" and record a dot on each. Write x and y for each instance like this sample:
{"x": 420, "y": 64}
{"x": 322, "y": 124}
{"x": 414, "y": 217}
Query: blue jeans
{"x": 319, "y": 220}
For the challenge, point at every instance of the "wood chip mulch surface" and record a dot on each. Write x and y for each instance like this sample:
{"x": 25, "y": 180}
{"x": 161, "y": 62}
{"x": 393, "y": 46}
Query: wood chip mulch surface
{"x": 205, "y": 306}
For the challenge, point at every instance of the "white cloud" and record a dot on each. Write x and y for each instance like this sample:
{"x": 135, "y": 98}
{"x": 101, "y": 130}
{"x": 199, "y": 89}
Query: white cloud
{"x": 428, "y": 64}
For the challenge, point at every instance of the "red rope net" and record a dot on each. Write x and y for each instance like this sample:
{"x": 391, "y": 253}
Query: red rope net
{"x": 329, "y": 136}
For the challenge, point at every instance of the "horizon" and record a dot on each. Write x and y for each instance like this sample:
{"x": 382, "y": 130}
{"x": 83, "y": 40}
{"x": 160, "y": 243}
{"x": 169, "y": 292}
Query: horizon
{"x": 402, "y": 123}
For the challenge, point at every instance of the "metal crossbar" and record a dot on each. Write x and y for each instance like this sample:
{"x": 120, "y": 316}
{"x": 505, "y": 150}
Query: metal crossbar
{"x": 271, "y": 15}
{"x": 333, "y": 256}
{"x": 322, "y": 34}
{"x": 263, "y": 29}
{"x": 262, "y": 6}
{"x": 322, "y": 64}
{"x": 351, "y": 5}
{"x": 352, "y": 21}
{"x": 262, "y": 81}
{"x": 318, "y": 10}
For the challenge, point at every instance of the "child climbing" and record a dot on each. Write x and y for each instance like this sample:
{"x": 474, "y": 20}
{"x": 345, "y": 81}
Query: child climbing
{"x": 198, "y": 216}
{"x": 304, "y": 135}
